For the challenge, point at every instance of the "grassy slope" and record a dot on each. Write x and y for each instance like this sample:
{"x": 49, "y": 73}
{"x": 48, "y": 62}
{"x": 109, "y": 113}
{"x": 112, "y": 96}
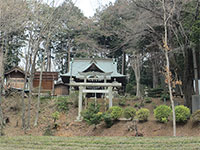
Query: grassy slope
{"x": 98, "y": 143}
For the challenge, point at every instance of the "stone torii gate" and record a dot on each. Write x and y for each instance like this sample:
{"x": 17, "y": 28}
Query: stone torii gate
{"x": 108, "y": 89}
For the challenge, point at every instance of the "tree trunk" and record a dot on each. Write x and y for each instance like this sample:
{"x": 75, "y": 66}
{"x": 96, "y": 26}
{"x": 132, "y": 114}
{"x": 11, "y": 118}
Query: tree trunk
{"x": 155, "y": 74}
{"x": 123, "y": 62}
{"x": 188, "y": 88}
{"x": 170, "y": 92}
{"x": 32, "y": 63}
{"x": 39, "y": 92}
{"x": 23, "y": 93}
{"x": 195, "y": 71}
{"x": 168, "y": 76}
{"x": 1, "y": 86}
{"x": 48, "y": 60}
{"x": 69, "y": 57}
{"x": 48, "y": 50}
{"x": 136, "y": 67}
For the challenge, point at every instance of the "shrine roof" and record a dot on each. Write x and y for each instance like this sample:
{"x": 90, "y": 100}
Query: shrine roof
{"x": 78, "y": 65}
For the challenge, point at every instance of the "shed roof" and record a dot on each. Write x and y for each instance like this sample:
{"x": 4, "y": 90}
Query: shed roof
{"x": 78, "y": 65}
{"x": 15, "y": 69}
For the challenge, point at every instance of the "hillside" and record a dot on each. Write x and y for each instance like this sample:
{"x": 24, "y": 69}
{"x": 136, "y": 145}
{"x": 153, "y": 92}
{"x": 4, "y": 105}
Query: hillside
{"x": 67, "y": 126}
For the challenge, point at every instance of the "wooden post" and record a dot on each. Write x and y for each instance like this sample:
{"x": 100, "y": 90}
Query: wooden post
{"x": 80, "y": 103}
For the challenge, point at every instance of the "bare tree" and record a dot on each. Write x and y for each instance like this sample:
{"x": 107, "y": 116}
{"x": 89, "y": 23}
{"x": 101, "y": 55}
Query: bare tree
{"x": 166, "y": 50}
{"x": 12, "y": 18}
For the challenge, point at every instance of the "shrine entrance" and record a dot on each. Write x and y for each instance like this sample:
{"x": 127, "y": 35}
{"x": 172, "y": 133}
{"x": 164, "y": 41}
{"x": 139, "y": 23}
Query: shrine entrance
{"x": 94, "y": 87}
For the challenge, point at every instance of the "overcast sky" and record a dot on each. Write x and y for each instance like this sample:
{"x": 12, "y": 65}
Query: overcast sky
{"x": 88, "y": 7}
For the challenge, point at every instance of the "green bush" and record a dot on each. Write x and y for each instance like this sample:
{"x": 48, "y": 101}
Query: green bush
{"x": 55, "y": 116}
{"x": 154, "y": 105}
{"x": 196, "y": 116}
{"x": 48, "y": 131}
{"x": 147, "y": 100}
{"x": 141, "y": 104}
{"x": 62, "y": 104}
{"x": 129, "y": 112}
{"x": 182, "y": 113}
{"x": 143, "y": 114}
{"x": 162, "y": 113}
{"x": 115, "y": 112}
{"x": 122, "y": 101}
{"x": 136, "y": 98}
{"x": 74, "y": 98}
{"x": 45, "y": 99}
{"x": 165, "y": 96}
{"x": 108, "y": 120}
{"x": 92, "y": 114}
{"x": 131, "y": 89}
{"x": 136, "y": 105}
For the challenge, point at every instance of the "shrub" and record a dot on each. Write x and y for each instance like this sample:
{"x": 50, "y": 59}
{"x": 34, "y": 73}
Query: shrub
{"x": 122, "y": 101}
{"x": 156, "y": 92}
{"x": 141, "y": 104}
{"x": 196, "y": 116}
{"x": 45, "y": 99}
{"x": 131, "y": 89}
{"x": 165, "y": 96}
{"x": 48, "y": 131}
{"x": 62, "y": 104}
{"x": 154, "y": 105}
{"x": 147, "y": 100}
{"x": 182, "y": 113}
{"x": 55, "y": 116}
{"x": 129, "y": 112}
{"x": 115, "y": 112}
{"x": 162, "y": 112}
{"x": 136, "y": 105}
{"x": 92, "y": 114}
{"x": 74, "y": 98}
{"x": 108, "y": 120}
{"x": 142, "y": 114}
{"x": 136, "y": 98}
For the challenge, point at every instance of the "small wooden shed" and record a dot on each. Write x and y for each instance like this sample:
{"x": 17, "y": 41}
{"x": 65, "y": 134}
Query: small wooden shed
{"x": 61, "y": 89}
{"x": 15, "y": 78}
{"x": 48, "y": 79}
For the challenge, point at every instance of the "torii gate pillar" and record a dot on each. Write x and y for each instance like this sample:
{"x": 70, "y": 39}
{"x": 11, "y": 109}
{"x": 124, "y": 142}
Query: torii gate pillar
{"x": 110, "y": 95}
{"x": 80, "y": 103}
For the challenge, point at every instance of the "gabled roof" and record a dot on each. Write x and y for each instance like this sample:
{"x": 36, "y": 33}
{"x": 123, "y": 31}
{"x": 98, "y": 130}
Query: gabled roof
{"x": 15, "y": 69}
{"x": 78, "y": 65}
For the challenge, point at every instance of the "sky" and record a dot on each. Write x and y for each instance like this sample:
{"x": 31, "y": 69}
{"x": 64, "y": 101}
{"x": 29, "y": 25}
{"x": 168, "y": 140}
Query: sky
{"x": 88, "y": 7}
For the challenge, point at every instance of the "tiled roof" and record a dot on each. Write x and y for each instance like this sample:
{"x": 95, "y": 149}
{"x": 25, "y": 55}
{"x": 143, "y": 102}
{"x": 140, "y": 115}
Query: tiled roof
{"x": 105, "y": 65}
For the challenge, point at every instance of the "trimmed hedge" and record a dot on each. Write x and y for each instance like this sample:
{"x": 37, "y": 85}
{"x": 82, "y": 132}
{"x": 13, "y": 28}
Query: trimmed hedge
{"x": 182, "y": 113}
{"x": 143, "y": 114}
{"x": 162, "y": 113}
{"x": 108, "y": 120}
{"x": 115, "y": 112}
{"x": 129, "y": 112}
